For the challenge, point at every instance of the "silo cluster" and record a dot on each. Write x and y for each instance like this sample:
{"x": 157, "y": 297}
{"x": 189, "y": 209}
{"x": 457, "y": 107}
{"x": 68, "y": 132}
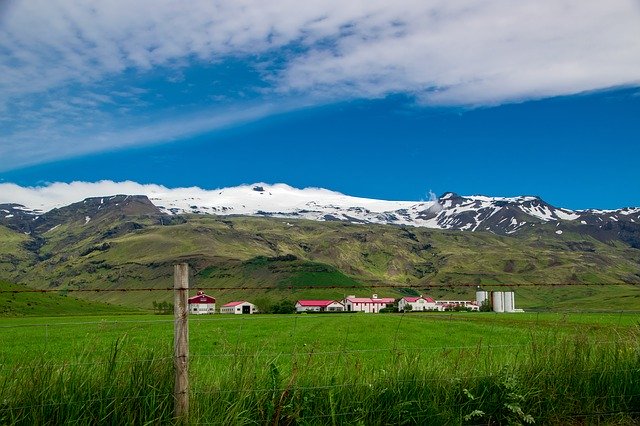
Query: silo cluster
{"x": 501, "y": 301}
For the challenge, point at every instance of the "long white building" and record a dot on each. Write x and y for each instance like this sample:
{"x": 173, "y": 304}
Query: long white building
{"x": 367, "y": 304}
{"x": 417, "y": 304}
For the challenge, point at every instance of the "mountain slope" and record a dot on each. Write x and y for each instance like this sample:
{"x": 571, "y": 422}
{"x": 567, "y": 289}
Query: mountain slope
{"x": 275, "y": 240}
{"x": 499, "y": 215}
{"x": 279, "y": 256}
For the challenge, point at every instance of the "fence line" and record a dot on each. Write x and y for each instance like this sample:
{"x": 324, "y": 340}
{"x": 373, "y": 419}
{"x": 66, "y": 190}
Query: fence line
{"x": 181, "y": 352}
{"x": 75, "y": 364}
{"x": 102, "y": 322}
{"x": 425, "y": 286}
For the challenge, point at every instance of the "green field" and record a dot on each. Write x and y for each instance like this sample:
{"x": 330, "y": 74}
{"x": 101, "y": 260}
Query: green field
{"x": 435, "y": 368}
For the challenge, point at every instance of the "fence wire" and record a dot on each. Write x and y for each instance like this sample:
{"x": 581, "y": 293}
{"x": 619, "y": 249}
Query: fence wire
{"x": 423, "y": 286}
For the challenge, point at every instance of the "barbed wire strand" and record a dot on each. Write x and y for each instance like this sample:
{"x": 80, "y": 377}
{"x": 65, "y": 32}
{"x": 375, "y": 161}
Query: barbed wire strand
{"x": 425, "y": 286}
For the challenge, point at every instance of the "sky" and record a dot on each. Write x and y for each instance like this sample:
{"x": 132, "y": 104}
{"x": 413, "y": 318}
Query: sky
{"x": 378, "y": 99}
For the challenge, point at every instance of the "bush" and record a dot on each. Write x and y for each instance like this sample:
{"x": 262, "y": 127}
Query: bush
{"x": 283, "y": 307}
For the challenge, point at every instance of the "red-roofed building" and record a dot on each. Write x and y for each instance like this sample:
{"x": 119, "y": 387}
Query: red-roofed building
{"x": 319, "y": 306}
{"x": 202, "y": 304}
{"x": 366, "y": 304}
{"x": 238, "y": 308}
{"x": 418, "y": 303}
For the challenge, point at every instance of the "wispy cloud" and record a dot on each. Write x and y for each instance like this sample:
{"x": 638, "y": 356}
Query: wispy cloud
{"x": 72, "y": 139}
{"x": 64, "y": 63}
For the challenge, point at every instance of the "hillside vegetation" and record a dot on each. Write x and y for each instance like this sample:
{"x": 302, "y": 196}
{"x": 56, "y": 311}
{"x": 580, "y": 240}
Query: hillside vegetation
{"x": 13, "y": 303}
{"x": 275, "y": 258}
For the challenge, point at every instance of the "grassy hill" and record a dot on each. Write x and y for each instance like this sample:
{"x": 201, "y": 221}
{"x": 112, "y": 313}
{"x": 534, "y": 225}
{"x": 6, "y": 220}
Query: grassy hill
{"x": 274, "y": 258}
{"x": 50, "y": 304}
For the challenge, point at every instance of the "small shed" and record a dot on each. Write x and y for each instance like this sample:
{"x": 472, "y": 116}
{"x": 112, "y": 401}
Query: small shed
{"x": 319, "y": 306}
{"x": 239, "y": 308}
{"x": 201, "y": 304}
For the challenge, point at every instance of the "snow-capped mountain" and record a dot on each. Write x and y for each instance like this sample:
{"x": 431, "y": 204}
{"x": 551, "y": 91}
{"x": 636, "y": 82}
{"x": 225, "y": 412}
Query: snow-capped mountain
{"x": 499, "y": 215}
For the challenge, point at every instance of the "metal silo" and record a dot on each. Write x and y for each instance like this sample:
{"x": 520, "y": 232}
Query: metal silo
{"x": 481, "y": 296}
{"x": 508, "y": 301}
{"x": 498, "y": 301}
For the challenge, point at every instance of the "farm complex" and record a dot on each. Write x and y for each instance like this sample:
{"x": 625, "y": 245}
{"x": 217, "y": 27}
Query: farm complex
{"x": 496, "y": 301}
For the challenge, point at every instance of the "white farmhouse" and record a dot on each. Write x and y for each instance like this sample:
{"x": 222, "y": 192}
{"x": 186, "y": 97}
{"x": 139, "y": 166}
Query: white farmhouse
{"x": 417, "y": 304}
{"x": 319, "y": 306}
{"x": 366, "y": 304}
{"x": 239, "y": 308}
{"x": 201, "y": 304}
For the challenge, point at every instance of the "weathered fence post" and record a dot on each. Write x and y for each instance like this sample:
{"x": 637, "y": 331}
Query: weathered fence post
{"x": 181, "y": 342}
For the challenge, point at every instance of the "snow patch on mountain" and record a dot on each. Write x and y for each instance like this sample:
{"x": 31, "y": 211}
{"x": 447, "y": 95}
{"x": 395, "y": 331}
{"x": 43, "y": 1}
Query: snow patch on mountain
{"x": 501, "y": 215}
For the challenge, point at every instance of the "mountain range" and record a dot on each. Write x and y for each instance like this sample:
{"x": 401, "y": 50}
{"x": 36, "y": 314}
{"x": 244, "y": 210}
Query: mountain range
{"x": 273, "y": 241}
{"x": 498, "y": 215}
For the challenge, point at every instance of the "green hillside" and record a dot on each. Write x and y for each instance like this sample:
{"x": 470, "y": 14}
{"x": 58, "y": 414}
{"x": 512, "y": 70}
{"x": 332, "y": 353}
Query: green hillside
{"x": 274, "y": 259}
{"x": 15, "y": 304}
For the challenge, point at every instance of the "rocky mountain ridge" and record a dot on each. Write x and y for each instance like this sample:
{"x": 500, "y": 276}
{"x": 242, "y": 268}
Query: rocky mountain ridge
{"x": 450, "y": 211}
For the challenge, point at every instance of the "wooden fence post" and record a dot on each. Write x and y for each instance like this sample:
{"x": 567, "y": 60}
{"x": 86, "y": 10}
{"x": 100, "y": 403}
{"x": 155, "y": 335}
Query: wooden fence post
{"x": 181, "y": 342}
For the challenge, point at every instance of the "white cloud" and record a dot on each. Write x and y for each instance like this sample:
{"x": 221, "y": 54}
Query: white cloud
{"x": 242, "y": 199}
{"x": 60, "y": 57}
{"x": 60, "y": 194}
{"x": 481, "y": 53}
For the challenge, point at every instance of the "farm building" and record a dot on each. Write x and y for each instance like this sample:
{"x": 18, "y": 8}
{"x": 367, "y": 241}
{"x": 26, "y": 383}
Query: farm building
{"x": 239, "y": 308}
{"x": 417, "y": 304}
{"x": 448, "y": 305}
{"x": 202, "y": 304}
{"x": 319, "y": 306}
{"x": 366, "y": 304}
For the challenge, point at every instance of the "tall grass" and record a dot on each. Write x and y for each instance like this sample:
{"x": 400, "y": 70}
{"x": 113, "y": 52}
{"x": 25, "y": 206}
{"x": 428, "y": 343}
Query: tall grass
{"x": 553, "y": 380}
{"x": 135, "y": 390}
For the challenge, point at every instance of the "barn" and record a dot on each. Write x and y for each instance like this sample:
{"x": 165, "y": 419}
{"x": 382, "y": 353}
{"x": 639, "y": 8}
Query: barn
{"x": 239, "y": 308}
{"x": 201, "y": 304}
{"x": 319, "y": 306}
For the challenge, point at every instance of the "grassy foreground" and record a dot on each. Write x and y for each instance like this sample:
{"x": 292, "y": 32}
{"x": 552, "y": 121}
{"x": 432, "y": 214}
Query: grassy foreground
{"x": 328, "y": 369}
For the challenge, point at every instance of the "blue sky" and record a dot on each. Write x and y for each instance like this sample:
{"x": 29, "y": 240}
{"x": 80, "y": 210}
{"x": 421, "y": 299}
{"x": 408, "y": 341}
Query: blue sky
{"x": 367, "y": 98}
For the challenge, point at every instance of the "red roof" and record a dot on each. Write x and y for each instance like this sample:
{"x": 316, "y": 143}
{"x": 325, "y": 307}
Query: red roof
{"x": 415, "y": 299}
{"x": 201, "y": 298}
{"x": 232, "y": 304}
{"x": 370, "y": 300}
{"x": 321, "y": 303}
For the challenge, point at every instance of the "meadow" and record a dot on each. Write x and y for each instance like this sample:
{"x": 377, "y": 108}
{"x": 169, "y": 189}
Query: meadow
{"x": 418, "y": 368}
